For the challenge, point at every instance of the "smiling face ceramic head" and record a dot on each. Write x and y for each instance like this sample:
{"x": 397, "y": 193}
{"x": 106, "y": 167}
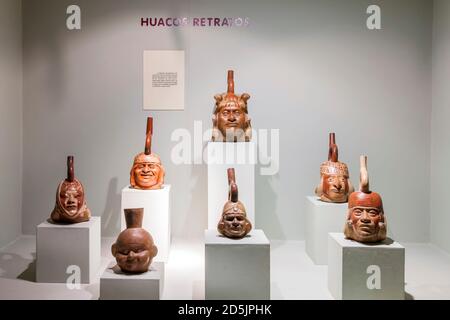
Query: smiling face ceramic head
{"x": 231, "y": 122}
{"x": 147, "y": 172}
{"x": 134, "y": 249}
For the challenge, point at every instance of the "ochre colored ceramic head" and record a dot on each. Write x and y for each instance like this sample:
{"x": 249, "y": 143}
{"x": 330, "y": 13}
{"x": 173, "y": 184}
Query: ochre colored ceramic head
{"x": 147, "y": 172}
{"x": 365, "y": 218}
{"x": 134, "y": 249}
{"x": 70, "y": 204}
{"x": 231, "y": 122}
{"x": 335, "y": 185}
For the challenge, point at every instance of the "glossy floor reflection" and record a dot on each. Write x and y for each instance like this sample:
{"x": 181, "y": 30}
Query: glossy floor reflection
{"x": 293, "y": 274}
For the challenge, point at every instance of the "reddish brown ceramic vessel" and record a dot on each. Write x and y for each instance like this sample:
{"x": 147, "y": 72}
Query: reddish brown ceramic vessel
{"x": 365, "y": 218}
{"x": 70, "y": 204}
{"x": 134, "y": 249}
{"x": 231, "y": 122}
{"x": 335, "y": 185}
{"x": 234, "y": 223}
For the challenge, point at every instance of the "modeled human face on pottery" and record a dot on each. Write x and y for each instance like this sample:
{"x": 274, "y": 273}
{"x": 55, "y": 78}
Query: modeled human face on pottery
{"x": 366, "y": 222}
{"x": 234, "y": 223}
{"x": 365, "y": 217}
{"x": 70, "y": 206}
{"x": 134, "y": 251}
{"x": 71, "y": 197}
{"x": 231, "y": 122}
{"x": 335, "y": 187}
{"x": 231, "y": 118}
{"x": 147, "y": 172}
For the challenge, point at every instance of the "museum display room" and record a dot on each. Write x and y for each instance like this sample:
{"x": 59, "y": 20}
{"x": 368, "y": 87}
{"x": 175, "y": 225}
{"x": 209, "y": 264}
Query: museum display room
{"x": 224, "y": 150}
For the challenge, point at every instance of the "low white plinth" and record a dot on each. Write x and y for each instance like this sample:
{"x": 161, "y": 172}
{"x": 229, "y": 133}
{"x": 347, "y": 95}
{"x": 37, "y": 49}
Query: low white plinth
{"x": 156, "y": 204}
{"x": 237, "y": 269}
{"x": 64, "y": 251}
{"x": 220, "y": 157}
{"x": 359, "y": 271}
{"x": 115, "y": 285}
{"x": 321, "y": 219}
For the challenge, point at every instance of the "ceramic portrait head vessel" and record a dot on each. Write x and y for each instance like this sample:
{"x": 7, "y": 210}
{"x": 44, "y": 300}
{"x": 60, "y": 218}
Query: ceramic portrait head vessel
{"x": 134, "y": 249}
{"x": 147, "y": 172}
{"x": 231, "y": 122}
{"x": 334, "y": 185}
{"x": 70, "y": 204}
{"x": 365, "y": 218}
{"x": 234, "y": 223}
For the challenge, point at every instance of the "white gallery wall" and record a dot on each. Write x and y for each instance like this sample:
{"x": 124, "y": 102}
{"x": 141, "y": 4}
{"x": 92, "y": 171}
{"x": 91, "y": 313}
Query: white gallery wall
{"x": 311, "y": 67}
{"x": 440, "y": 146}
{"x": 10, "y": 120}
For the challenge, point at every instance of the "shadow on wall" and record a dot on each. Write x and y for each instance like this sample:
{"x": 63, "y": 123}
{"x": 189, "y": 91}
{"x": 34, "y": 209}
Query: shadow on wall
{"x": 266, "y": 200}
{"x": 111, "y": 214}
{"x": 197, "y": 210}
{"x": 13, "y": 266}
{"x": 48, "y": 47}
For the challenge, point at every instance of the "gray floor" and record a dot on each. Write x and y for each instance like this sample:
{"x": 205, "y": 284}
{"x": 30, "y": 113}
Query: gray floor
{"x": 293, "y": 274}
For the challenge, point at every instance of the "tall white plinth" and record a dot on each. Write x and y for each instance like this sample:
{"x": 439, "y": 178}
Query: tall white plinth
{"x": 358, "y": 271}
{"x": 116, "y": 285}
{"x": 321, "y": 219}
{"x": 156, "y": 204}
{"x": 68, "y": 250}
{"x": 237, "y": 269}
{"x": 221, "y": 156}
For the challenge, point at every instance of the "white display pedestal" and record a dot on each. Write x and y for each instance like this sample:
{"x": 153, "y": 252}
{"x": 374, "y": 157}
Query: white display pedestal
{"x": 237, "y": 269}
{"x": 115, "y": 285}
{"x": 359, "y": 271}
{"x": 64, "y": 249}
{"x": 321, "y": 219}
{"x": 156, "y": 204}
{"x": 221, "y": 156}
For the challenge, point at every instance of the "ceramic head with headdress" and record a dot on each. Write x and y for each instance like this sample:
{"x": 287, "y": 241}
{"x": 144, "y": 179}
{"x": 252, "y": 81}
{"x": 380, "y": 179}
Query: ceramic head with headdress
{"x": 147, "y": 172}
{"x": 365, "y": 217}
{"x": 231, "y": 122}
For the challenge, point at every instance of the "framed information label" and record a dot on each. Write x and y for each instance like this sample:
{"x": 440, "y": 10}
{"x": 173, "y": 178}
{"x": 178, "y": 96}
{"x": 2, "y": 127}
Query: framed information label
{"x": 164, "y": 75}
